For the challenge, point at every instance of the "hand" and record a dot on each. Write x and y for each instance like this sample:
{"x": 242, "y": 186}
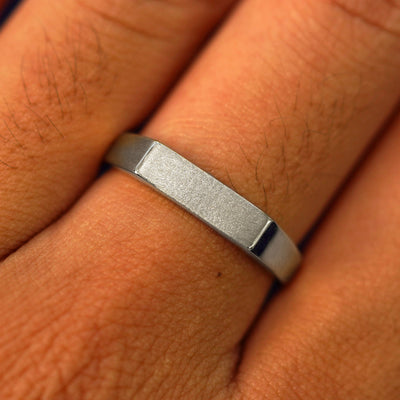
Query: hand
{"x": 110, "y": 291}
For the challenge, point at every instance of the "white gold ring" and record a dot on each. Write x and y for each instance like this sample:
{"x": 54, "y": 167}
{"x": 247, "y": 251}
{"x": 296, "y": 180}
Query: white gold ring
{"x": 208, "y": 199}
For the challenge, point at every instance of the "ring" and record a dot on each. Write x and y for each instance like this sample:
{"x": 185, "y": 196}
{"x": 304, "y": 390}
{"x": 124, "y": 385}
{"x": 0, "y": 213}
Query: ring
{"x": 208, "y": 199}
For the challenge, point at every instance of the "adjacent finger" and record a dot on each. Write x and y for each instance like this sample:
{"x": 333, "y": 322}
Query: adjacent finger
{"x": 178, "y": 297}
{"x": 76, "y": 74}
{"x": 335, "y": 332}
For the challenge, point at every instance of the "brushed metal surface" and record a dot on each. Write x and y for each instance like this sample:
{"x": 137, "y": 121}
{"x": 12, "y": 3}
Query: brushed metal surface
{"x": 202, "y": 195}
{"x": 209, "y": 200}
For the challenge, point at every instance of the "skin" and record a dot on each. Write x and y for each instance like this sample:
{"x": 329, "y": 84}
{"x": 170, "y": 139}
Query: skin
{"x": 110, "y": 291}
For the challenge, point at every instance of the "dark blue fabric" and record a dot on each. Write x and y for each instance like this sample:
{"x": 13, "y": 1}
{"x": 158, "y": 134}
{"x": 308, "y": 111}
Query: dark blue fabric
{"x": 11, "y": 4}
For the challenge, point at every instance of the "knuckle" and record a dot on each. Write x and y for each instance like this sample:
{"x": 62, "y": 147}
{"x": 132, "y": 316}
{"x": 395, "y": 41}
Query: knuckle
{"x": 57, "y": 80}
{"x": 61, "y": 74}
{"x": 72, "y": 65}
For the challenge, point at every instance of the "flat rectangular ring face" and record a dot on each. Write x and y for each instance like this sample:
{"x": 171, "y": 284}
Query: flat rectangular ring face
{"x": 203, "y": 195}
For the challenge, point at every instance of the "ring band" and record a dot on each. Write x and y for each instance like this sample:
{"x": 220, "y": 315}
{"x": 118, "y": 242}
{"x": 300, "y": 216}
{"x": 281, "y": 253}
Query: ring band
{"x": 208, "y": 199}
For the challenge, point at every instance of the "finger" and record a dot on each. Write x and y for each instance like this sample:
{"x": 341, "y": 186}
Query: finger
{"x": 293, "y": 104}
{"x": 334, "y": 333}
{"x": 77, "y": 73}
{"x": 185, "y": 294}
{"x": 145, "y": 322}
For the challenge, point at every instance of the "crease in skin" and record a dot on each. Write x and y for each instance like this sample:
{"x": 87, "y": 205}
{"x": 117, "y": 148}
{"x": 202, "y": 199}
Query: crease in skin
{"x": 119, "y": 22}
{"x": 7, "y": 165}
{"x": 390, "y": 23}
